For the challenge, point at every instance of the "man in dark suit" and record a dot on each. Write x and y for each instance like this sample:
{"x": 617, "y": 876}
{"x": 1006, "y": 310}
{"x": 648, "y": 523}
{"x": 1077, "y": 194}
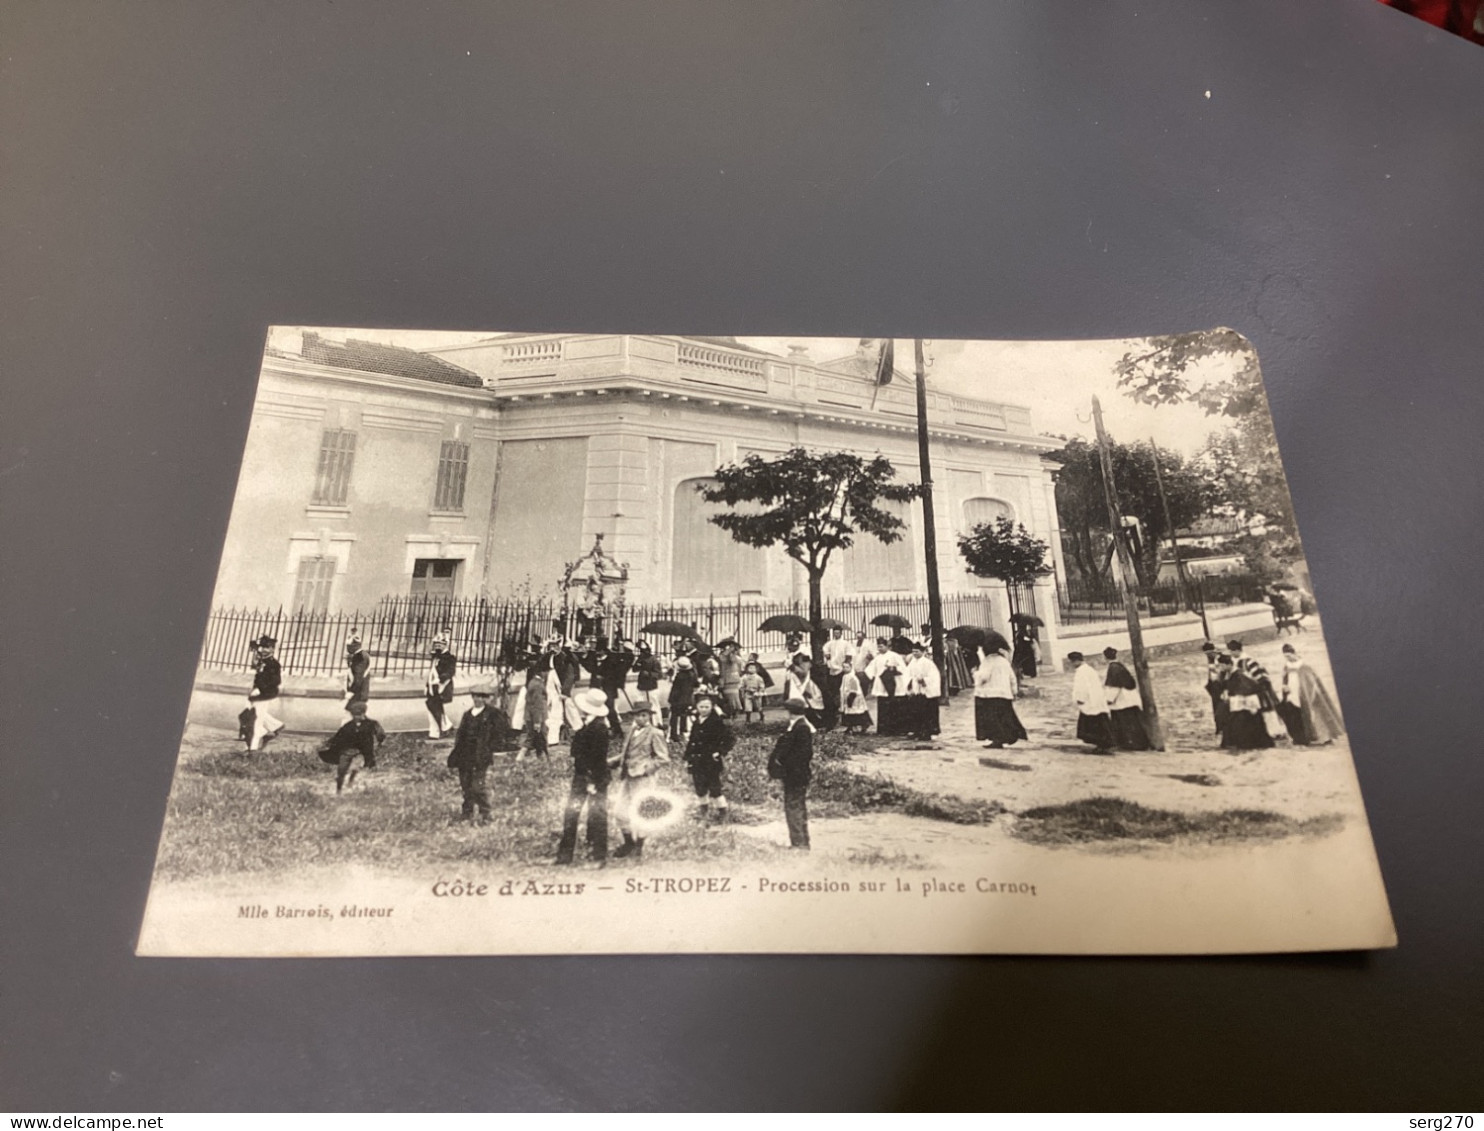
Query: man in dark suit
{"x": 792, "y": 764}
{"x": 590, "y": 777}
{"x": 610, "y": 671}
{"x": 473, "y": 751}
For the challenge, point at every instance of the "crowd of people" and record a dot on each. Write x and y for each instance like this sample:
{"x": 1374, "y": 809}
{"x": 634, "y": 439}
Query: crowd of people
{"x": 572, "y": 692}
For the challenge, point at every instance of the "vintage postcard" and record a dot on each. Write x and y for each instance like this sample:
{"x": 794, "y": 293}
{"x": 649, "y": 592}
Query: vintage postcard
{"x": 554, "y": 643}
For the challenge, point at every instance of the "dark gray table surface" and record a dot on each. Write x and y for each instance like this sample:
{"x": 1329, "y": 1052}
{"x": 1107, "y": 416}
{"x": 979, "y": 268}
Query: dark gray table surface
{"x": 176, "y": 177}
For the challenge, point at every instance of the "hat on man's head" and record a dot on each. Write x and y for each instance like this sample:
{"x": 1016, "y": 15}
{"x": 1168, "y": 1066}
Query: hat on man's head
{"x": 591, "y": 702}
{"x": 1076, "y": 657}
{"x": 642, "y": 708}
{"x": 1110, "y": 653}
{"x": 1208, "y": 647}
{"x": 683, "y": 664}
{"x": 265, "y": 641}
{"x": 483, "y": 687}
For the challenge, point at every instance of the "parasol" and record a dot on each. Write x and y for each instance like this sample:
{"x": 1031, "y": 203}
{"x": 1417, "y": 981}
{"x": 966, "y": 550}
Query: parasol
{"x": 784, "y": 622}
{"x": 902, "y": 646}
{"x": 972, "y": 636}
{"x": 829, "y": 624}
{"x": 669, "y": 628}
{"x": 891, "y": 620}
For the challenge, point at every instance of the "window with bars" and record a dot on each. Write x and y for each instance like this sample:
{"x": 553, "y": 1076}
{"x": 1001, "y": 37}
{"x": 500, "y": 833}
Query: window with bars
{"x": 453, "y": 470}
{"x": 312, "y": 586}
{"x": 337, "y": 454}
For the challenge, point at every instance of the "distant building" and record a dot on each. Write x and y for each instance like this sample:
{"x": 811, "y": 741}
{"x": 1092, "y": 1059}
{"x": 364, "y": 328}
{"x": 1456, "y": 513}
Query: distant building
{"x": 480, "y": 468}
{"x": 1211, "y": 533}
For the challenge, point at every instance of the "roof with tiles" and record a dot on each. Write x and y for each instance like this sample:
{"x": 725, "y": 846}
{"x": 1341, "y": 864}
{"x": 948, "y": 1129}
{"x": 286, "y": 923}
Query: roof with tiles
{"x": 373, "y": 357}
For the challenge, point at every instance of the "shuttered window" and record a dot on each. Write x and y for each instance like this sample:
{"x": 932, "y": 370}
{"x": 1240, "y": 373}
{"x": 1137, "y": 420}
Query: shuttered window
{"x": 435, "y": 577}
{"x": 312, "y": 587}
{"x": 337, "y": 454}
{"x": 873, "y": 566}
{"x": 453, "y": 470}
{"x": 707, "y": 561}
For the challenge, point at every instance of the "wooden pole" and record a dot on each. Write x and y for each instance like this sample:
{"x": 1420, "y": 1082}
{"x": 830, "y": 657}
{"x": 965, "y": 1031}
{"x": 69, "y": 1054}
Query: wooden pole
{"x": 1180, "y": 578}
{"x": 1130, "y": 597}
{"x": 929, "y": 525}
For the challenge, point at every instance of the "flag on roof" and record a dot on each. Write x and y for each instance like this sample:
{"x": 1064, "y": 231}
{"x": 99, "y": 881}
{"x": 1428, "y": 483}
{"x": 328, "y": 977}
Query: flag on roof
{"x": 885, "y": 360}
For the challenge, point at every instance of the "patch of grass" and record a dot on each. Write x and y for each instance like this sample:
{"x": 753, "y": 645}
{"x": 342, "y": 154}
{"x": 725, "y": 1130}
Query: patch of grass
{"x": 1095, "y": 820}
{"x": 277, "y": 810}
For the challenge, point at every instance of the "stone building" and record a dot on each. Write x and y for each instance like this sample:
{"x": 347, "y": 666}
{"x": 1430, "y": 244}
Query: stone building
{"x": 484, "y": 468}
{"x": 368, "y": 471}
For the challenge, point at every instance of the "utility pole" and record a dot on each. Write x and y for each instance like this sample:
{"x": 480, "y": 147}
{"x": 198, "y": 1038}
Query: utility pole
{"x": 1130, "y": 595}
{"x": 929, "y": 526}
{"x": 1180, "y": 579}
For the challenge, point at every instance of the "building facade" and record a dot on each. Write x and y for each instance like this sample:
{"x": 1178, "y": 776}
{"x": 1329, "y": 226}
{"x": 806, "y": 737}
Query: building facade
{"x": 369, "y": 473}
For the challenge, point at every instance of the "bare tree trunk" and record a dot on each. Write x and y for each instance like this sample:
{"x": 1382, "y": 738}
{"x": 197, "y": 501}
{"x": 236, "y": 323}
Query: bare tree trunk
{"x": 816, "y": 611}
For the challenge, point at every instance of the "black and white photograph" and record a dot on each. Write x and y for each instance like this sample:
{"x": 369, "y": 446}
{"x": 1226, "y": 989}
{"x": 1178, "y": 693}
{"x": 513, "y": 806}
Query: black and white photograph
{"x": 549, "y": 643}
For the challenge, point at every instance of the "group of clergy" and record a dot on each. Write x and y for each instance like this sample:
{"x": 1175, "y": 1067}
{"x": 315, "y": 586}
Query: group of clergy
{"x": 1250, "y": 709}
{"x": 1253, "y": 712}
{"x": 1110, "y": 710}
{"x": 896, "y": 677}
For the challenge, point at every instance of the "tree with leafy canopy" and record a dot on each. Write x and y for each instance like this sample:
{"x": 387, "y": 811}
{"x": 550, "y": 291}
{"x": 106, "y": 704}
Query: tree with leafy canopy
{"x": 811, "y": 504}
{"x": 1244, "y": 462}
{"x": 1005, "y": 551}
{"x": 1190, "y": 488}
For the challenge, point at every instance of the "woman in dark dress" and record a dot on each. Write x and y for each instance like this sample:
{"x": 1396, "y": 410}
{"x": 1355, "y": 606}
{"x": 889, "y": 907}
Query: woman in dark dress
{"x": 647, "y": 669}
{"x": 682, "y": 697}
{"x": 1023, "y": 659}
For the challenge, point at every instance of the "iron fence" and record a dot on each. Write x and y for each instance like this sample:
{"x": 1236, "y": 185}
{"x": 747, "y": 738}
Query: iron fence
{"x": 489, "y": 634}
{"x": 1086, "y": 602}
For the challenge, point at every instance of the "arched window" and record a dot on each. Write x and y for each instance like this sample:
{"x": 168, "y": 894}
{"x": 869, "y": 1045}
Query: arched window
{"x": 984, "y": 510}
{"x": 981, "y": 510}
{"x": 705, "y": 560}
{"x": 873, "y": 566}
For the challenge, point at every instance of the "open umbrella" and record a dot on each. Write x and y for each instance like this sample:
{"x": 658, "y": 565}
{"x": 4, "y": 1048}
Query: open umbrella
{"x": 784, "y": 622}
{"x": 669, "y": 628}
{"x": 1026, "y": 618}
{"x": 829, "y": 624}
{"x": 902, "y": 646}
{"x": 728, "y": 641}
{"x": 972, "y": 636}
{"x": 891, "y": 620}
